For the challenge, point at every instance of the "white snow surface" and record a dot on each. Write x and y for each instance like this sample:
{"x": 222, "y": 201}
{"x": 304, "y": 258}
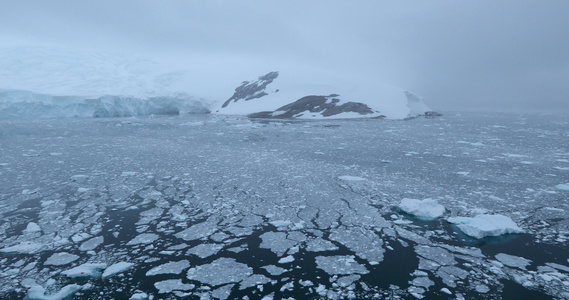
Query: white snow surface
{"x": 482, "y": 226}
{"x": 291, "y": 85}
{"x": 48, "y": 81}
{"x": 427, "y": 208}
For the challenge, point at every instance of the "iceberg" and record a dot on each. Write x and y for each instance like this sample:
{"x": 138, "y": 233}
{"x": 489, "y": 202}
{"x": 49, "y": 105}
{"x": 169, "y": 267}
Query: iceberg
{"x": 425, "y": 209}
{"x": 482, "y": 226}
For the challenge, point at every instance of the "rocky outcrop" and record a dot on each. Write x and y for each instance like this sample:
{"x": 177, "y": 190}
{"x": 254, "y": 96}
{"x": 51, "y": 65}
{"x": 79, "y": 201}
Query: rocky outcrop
{"x": 326, "y": 106}
{"x": 252, "y": 90}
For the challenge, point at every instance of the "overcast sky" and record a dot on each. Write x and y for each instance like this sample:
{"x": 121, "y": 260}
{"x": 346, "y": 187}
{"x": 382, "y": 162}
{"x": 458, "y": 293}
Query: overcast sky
{"x": 456, "y": 54}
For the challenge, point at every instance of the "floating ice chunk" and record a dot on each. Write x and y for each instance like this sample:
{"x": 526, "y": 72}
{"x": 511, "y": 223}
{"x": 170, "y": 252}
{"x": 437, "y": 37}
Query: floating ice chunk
{"x": 280, "y": 223}
{"x": 340, "y": 265}
{"x": 139, "y": 296}
{"x": 563, "y": 186}
{"x": 125, "y": 174}
{"x": 486, "y": 225}
{"x": 513, "y": 261}
{"x": 274, "y": 270}
{"x": 91, "y": 244}
{"x": 80, "y": 237}
{"x": 198, "y": 231}
{"x": 253, "y": 280}
{"x": 32, "y": 227}
{"x": 116, "y": 269}
{"x": 85, "y": 271}
{"x": 319, "y": 245}
{"x": 204, "y": 250}
{"x": 168, "y": 286}
{"x": 23, "y": 248}
{"x": 277, "y": 242}
{"x": 60, "y": 259}
{"x": 286, "y": 260}
{"x": 37, "y": 292}
{"x": 350, "y": 178}
{"x": 144, "y": 238}
{"x": 175, "y": 267}
{"x": 221, "y": 271}
{"x": 427, "y": 209}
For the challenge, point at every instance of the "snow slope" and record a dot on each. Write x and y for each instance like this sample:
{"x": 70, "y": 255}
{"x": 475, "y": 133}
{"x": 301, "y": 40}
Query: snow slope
{"x": 47, "y": 82}
{"x": 293, "y": 94}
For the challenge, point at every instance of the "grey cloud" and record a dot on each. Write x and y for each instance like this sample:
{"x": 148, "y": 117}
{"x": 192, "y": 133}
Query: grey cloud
{"x": 456, "y": 54}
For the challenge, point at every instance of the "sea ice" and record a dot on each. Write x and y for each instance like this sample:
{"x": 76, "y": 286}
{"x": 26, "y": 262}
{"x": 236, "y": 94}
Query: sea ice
{"x": 486, "y": 225}
{"x": 116, "y": 269}
{"x": 145, "y": 238}
{"x": 340, "y": 265}
{"x": 513, "y": 261}
{"x": 563, "y": 186}
{"x": 175, "y": 267}
{"x": 427, "y": 209}
{"x": 91, "y": 244}
{"x": 204, "y": 250}
{"x": 221, "y": 271}
{"x": 23, "y": 248}
{"x": 167, "y": 286}
{"x": 32, "y": 227}
{"x": 85, "y": 271}
{"x": 37, "y": 292}
{"x": 350, "y": 178}
{"x": 60, "y": 259}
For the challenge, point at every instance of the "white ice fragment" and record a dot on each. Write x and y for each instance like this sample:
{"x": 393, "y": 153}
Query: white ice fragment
{"x": 286, "y": 259}
{"x": 339, "y": 265}
{"x": 32, "y": 227}
{"x": 350, "y": 178}
{"x": 139, "y": 296}
{"x": 427, "y": 209}
{"x": 563, "y": 187}
{"x": 280, "y": 223}
{"x": 116, "y": 269}
{"x": 446, "y": 291}
{"x": 85, "y": 271}
{"x": 60, "y": 259}
{"x": 125, "y": 174}
{"x": 144, "y": 238}
{"x": 38, "y": 293}
{"x": 513, "y": 261}
{"x": 91, "y": 244}
{"x": 221, "y": 271}
{"x": 175, "y": 267}
{"x": 486, "y": 225}
{"x": 167, "y": 286}
{"x": 23, "y": 248}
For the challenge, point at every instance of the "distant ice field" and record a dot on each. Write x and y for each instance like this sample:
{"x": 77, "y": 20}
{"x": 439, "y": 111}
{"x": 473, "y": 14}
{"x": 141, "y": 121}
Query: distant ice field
{"x": 222, "y": 207}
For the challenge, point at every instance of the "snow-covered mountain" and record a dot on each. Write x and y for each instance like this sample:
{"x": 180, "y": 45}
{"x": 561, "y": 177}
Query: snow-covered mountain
{"x": 47, "y": 82}
{"x": 294, "y": 97}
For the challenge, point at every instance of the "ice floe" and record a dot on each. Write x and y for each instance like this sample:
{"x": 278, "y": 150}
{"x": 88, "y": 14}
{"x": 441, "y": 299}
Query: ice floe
{"x": 38, "y": 293}
{"x": 60, "y": 259}
{"x": 175, "y": 267}
{"x": 427, "y": 208}
{"x": 89, "y": 270}
{"x": 221, "y": 271}
{"x": 116, "y": 268}
{"x": 482, "y": 226}
{"x": 340, "y": 265}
